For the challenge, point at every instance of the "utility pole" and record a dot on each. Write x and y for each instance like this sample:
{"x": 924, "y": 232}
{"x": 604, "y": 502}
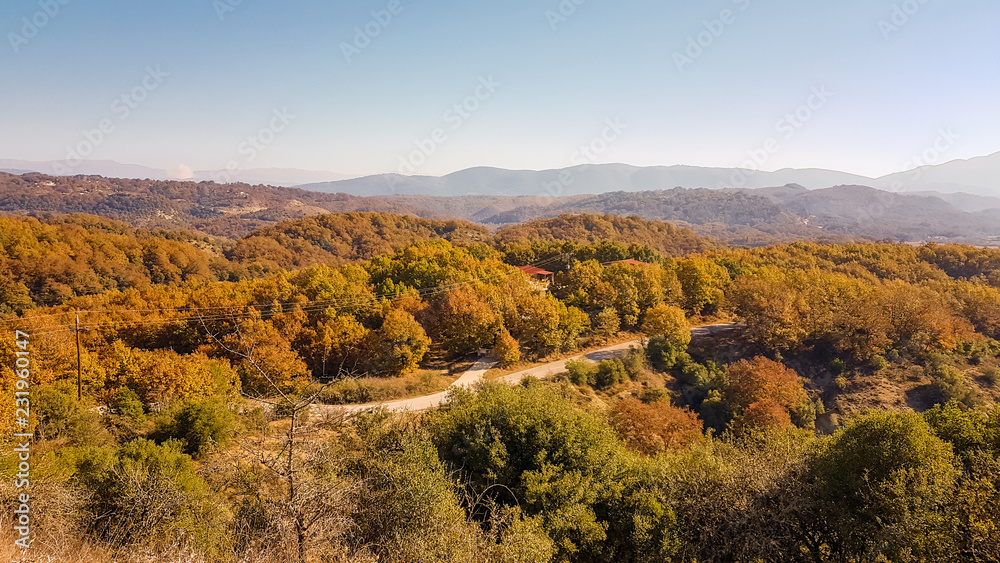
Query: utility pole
{"x": 79, "y": 367}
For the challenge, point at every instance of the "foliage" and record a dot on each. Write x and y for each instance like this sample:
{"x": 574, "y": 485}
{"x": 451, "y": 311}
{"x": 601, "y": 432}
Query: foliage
{"x": 763, "y": 393}
{"x": 144, "y": 493}
{"x": 655, "y": 427}
{"x": 197, "y": 424}
{"x": 882, "y": 481}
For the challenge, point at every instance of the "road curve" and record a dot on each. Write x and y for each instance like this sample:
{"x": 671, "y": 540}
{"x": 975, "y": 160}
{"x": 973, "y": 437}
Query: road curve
{"x": 475, "y": 374}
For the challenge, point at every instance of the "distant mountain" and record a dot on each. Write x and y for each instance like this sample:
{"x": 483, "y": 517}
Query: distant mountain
{"x": 965, "y": 202}
{"x": 740, "y": 216}
{"x": 585, "y": 179}
{"x": 112, "y": 169}
{"x": 978, "y": 176}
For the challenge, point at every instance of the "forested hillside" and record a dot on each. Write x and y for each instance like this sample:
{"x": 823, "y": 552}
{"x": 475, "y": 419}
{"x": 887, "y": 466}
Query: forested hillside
{"x": 588, "y": 229}
{"x": 847, "y": 411}
{"x": 341, "y": 238}
{"x": 747, "y": 217}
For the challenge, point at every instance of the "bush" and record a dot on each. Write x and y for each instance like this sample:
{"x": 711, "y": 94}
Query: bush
{"x": 144, "y": 493}
{"x": 348, "y": 392}
{"x": 198, "y": 424}
{"x": 878, "y": 363}
{"x": 635, "y": 362}
{"x": 951, "y": 385}
{"x": 665, "y": 354}
{"x": 126, "y": 403}
{"x": 582, "y": 372}
{"x": 610, "y": 373}
{"x": 55, "y": 406}
{"x": 60, "y": 415}
{"x": 882, "y": 479}
{"x": 992, "y": 375}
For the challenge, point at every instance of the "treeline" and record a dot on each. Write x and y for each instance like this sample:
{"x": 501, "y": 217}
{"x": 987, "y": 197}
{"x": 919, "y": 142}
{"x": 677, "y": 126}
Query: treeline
{"x": 49, "y": 260}
{"x": 336, "y": 239}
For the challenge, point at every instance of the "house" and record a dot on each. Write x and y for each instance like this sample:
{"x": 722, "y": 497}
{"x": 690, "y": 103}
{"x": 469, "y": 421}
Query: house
{"x": 537, "y": 273}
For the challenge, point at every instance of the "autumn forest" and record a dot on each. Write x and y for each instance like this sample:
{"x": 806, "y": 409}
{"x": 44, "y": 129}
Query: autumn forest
{"x": 818, "y": 400}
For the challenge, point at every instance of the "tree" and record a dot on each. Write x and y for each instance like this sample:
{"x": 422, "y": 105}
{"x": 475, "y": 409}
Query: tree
{"x": 608, "y": 322}
{"x": 668, "y": 322}
{"x": 463, "y": 323}
{"x": 656, "y": 427}
{"x": 883, "y": 479}
{"x": 764, "y": 392}
{"x": 506, "y": 350}
{"x": 398, "y": 347}
{"x": 703, "y": 282}
{"x": 198, "y": 424}
{"x": 526, "y": 446}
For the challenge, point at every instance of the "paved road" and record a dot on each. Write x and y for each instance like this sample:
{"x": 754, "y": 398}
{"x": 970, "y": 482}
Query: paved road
{"x": 479, "y": 369}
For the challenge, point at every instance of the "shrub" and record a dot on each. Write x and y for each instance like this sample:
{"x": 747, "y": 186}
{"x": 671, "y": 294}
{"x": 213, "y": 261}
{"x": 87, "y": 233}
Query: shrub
{"x": 610, "y": 373}
{"x": 198, "y": 424}
{"x": 582, "y": 372}
{"x": 664, "y": 354}
{"x": 951, "y": 385}
{"x": 878, "y": 363}
{"x": 635, "y": 362}
{"x": 142, "y": 493}
{"x": 126, "y": 403}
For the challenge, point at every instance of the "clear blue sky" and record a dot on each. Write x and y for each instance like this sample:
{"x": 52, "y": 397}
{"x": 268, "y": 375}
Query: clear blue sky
{"x": 560, "y": 81}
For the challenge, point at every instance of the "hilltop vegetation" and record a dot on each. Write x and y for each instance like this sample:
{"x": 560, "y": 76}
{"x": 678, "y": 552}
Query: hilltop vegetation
{"x": 749, "y": 217}
{"x": 341, "y": 238}
{"x": 662, "y": 237}
{"x": 850, "y": 415}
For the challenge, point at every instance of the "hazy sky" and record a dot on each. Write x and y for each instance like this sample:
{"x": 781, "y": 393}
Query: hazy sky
{"x": 352, "y": 87}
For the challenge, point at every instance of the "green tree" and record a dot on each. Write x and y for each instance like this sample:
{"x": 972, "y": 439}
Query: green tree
{"x": 883, "y": 480}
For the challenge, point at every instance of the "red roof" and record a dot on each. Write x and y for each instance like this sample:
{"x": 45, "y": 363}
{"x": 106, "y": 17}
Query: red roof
{"x": 533, "y": 271}
{"x": 630, "y": 262}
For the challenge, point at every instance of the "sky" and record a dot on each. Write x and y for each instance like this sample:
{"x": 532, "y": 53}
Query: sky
{"x": 421, "y": 87}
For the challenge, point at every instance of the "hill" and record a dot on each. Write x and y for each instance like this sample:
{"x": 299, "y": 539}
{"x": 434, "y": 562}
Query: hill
{"x": 750, "y": 217}
{"x": 588, "y": 229}
{"x": 341, "y": 238}
{"x": 45, "y": 262}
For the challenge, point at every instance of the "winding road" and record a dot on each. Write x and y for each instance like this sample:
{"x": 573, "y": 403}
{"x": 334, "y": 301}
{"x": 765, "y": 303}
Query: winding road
{"x": 478, "y": 370}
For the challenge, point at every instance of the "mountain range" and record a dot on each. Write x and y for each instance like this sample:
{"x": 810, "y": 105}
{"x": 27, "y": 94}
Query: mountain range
{"x": 975, "y": 177}
{"x": 111, "y": 169}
